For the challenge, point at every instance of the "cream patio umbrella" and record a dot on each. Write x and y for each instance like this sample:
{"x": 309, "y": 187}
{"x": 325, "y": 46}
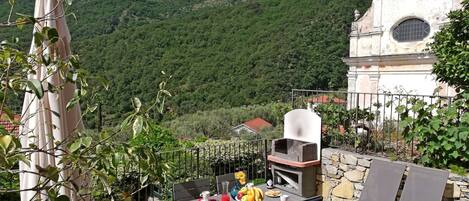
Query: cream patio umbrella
{"x": 45, "y": 120}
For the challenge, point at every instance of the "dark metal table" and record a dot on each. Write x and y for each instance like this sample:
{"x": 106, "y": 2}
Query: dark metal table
{"x": 291, "y": 197}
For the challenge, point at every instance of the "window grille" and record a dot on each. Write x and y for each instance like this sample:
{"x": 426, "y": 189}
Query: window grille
{"x": 411, "y": 30}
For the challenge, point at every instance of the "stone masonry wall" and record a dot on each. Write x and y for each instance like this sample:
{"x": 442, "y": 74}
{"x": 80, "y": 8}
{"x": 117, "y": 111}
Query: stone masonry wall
{"x": 343, "y": 175}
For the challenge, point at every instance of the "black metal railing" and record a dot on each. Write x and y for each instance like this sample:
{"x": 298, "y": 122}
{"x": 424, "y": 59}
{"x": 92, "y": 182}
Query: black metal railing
{"x": 363, "y": 122}
{"x": 203, "y": 161}
{"x": 211, "y": 160}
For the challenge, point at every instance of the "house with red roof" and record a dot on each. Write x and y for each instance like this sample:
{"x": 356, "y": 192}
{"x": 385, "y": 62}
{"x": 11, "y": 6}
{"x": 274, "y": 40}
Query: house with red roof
{"x": 326, "y": 99}
{"x": 252, "y": 126}
{"x": 8, "y": 125}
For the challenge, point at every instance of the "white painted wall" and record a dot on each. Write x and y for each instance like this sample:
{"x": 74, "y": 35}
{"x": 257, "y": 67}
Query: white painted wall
{"x": 374, "y": 30}
{"x": 372, "y": 37}
{"x": 407, "y": 83}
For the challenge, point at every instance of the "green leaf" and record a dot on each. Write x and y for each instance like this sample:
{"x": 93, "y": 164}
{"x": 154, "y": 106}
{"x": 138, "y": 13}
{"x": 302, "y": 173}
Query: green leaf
{"x": 75, "y": 146}
{"x": 447, "y": 146}
{"x": 463, "y": 135}
{"x": 435, "y": 123}
{"x": 36, "y": 86}
{"x": 455, "y": 154}
{"x": 38, "y": 39}
{"x": 69, "y": 2}
{"x": 75, "y": 100}
{"x": 465, "y": 118}
{"x": 49, "y": 172}
{"x": 103, "y": 135}
{"x": 137, "y": 104}
{"x": 20, "y": 22}
{"x": 51, "y": 34}
{"x": 166, "y": 92}
{"x": 52, "y": 194}
{"x": 5, "y": 141}
{"x": 138, "y": 125}
{"x": 53, "y": 174}
{"x": 3, "y": 131}
{"x": 458, "y": 144}
{"x": 400, "y": 109}
{"x": 87, "y": 141}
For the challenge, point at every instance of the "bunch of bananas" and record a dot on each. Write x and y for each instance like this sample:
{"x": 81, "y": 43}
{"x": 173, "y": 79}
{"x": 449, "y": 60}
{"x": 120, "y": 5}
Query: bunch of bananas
{"x": 250, "y": 193}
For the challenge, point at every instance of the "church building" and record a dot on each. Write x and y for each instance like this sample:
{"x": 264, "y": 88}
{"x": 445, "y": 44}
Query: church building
{"x": 388, "y": 47}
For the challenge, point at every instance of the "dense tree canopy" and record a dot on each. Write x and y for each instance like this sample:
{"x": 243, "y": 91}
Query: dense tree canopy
{"x": 221, "y": 53}
{"x": 451, "y": 47}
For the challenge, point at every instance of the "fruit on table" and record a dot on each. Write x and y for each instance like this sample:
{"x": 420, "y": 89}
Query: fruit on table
{"x": 240, "y": 195}
{"x": 241, "y": 177}
{"x": 258, "y": 194}
{"x": 250, "y": 194}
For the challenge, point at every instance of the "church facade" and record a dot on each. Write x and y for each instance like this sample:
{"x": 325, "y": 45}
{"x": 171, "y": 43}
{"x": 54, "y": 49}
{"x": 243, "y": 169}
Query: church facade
{"x": 389, "y": 47}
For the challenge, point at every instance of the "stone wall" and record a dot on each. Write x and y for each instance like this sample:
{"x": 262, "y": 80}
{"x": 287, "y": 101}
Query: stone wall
{"x": 343, "y": 174}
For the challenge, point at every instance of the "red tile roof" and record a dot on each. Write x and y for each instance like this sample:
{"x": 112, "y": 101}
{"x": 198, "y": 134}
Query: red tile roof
{"x": 325, "y": 99}
{"x": 10, "y": 127}
{"x": 257, "y": 124}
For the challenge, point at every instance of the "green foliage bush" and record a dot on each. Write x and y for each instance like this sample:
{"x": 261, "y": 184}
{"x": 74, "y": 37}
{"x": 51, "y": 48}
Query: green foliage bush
{"x": 452, "y": 50}
{"x": 333, "y": 115}
{"x": 156, "y": 138}
{"x": 441, "y": 131}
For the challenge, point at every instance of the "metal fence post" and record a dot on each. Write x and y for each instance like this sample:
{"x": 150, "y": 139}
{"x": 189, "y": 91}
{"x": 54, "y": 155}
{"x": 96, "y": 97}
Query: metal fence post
{"x": 292, "y": 99}
{"x": 266, "y": 163}
{"x": 198, "y": 162}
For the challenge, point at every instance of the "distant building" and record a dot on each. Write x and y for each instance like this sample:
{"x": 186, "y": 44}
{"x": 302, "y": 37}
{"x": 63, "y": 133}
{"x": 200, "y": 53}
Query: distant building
{"x": 388, "y": 47}
{"x": 252, "y": 126}
{"x": 326, "y": 99}
{"x": 8, "y": 126}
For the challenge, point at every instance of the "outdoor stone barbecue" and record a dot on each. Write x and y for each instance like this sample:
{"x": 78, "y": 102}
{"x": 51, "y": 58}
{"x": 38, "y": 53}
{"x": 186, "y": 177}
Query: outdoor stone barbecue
{"x": 295, "y": 157}
{"x": 294, "y": 150}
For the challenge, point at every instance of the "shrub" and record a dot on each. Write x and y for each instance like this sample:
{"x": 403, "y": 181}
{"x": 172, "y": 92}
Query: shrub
{"x": 452, "y": 50}
{"x": 440, "y": 131}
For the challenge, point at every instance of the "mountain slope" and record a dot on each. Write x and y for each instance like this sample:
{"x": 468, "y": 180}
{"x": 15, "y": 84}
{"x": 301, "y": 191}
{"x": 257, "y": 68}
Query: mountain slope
{"x": 220, "y": 53}
{"x": 227, "y": 56}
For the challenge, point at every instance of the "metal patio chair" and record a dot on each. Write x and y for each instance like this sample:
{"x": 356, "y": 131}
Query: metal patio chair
{"x": 190, "y": 190}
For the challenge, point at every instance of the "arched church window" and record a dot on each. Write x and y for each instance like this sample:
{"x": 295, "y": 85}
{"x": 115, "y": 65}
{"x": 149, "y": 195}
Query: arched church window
{"x": 411, "y": 30}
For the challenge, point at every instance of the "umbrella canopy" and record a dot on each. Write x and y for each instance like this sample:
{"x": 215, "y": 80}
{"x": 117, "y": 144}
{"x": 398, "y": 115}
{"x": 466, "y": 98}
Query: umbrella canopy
{"x": 46, "y": 120}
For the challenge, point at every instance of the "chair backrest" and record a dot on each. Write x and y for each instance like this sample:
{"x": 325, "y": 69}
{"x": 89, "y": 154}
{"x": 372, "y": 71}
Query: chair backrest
{"x": 424, "y": 184}
{"x": 190, "y": 190}
{"x": 226, "y": 177}
{"x": 383, "y": 181}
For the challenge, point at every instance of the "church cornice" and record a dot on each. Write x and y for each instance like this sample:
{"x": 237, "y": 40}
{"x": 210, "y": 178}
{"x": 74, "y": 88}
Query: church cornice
{"x": 356, "y": 33}
{"x": 386, "y": 60}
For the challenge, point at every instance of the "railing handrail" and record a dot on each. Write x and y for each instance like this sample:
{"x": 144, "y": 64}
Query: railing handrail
{"x": 371, "y": 93}
{"x": 211, "y": 145}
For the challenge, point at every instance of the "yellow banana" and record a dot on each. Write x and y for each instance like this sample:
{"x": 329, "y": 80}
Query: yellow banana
{"x": 259, "y": 196}
{"x": 250, "y": 194}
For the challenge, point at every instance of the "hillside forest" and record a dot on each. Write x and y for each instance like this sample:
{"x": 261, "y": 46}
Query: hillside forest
{"x": 220, "y": 53}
